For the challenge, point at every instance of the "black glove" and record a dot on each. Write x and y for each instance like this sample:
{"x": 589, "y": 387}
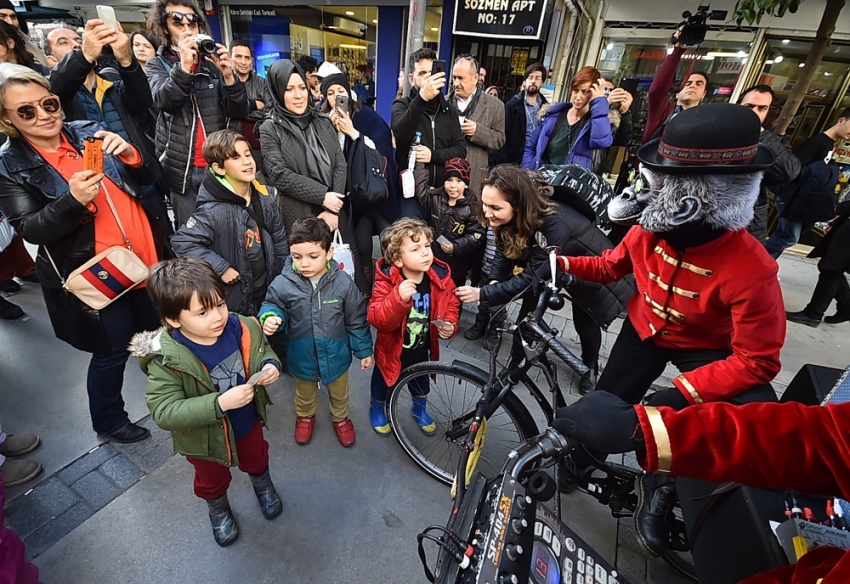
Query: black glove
{"x": 671, "y": 397}
{"x": 602, "y": 422}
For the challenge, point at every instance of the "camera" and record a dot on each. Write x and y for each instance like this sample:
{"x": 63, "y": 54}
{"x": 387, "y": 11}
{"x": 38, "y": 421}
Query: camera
{"x": 694, "y": 27}
{"x": 206, "y": 44}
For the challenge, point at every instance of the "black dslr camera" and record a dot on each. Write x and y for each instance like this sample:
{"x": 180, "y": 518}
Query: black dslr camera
{"x": 206, "y": 44}
{"x": 694, "y": 27}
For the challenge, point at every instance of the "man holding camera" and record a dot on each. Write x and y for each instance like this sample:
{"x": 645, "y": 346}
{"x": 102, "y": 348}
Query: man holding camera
{"x": 196, "y": 90}
{"x": 660, "y": 109}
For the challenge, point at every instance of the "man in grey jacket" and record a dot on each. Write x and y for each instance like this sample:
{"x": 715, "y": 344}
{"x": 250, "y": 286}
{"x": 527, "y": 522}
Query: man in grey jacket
{"x": 481, "y": 117}
{"x": 258, "y": 96}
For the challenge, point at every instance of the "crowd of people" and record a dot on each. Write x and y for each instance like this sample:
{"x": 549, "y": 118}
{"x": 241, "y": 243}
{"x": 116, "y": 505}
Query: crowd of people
{"x": 245, "y": 279}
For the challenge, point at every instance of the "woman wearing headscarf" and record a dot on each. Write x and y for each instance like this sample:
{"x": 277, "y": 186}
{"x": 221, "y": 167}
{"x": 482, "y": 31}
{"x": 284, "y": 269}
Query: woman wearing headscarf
{"x": 363, "y": 122}
{"x": 303, "y": 158}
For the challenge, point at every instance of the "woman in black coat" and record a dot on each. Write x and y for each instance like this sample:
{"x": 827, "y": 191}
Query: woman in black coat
{"x": 303, "y": 158}
{"x": 360, "y": 121}
{"x": 69, "y": 217}
{"x": 519, "y": 214}
{"x": 834, "y": 251}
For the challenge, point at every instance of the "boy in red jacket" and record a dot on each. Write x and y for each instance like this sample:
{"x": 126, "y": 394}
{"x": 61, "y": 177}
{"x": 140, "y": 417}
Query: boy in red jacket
{"x": 412, "y": 306}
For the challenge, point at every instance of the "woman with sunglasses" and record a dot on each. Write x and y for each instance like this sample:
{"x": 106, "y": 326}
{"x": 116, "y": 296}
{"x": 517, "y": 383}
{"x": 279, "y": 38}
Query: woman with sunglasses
{"x": 303, "y": 158}
{"x": 195, "y": 91}
{"x": 569, "y": 132}
{"x": 53, "y": 202}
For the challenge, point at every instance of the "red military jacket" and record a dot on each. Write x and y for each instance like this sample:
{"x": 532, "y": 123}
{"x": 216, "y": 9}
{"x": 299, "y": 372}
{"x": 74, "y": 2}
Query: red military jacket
{"x": 778, "y": 446}
{"x": 723, "y": 295}
{"x": 388, "y": 314}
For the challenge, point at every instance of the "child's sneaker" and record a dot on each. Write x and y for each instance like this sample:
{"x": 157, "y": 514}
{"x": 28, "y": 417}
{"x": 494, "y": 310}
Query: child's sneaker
{"x": 345, "y": 432}
{"x": 378, "y": 418}
{"x": 304, "y": 429}
{"x": 423, "y": 418}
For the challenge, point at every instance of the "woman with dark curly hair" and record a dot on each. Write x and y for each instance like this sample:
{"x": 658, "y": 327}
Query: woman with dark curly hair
{"x": 12, "y": 49}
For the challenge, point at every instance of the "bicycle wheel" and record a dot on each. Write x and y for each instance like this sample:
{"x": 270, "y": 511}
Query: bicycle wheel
{"x": 452, "y": 398}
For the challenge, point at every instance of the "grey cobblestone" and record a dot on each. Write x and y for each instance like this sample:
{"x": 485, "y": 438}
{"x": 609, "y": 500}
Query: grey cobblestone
{"x": 96, "y": 489}
{"x": 631, "y": 565}
{"x": 45, "y": 502}
{"x": 55, "y": 530}
{"x": 660, "y": 572}
{"x": 136, "y": 450}
{"x": 87, "y": 463}
{"x": 153, "y": 458}
{"x": 122, "y": 472}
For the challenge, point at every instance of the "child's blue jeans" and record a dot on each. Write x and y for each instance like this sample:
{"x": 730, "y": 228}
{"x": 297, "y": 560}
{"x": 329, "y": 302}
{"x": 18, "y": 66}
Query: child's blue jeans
{"x": 418, "y": 388}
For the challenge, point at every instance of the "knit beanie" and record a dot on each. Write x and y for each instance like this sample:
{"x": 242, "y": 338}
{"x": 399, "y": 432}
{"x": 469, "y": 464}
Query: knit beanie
{"x": 333, "y": 79}
{"x": 6, "y": 5}
{"x": 458, "y": 168}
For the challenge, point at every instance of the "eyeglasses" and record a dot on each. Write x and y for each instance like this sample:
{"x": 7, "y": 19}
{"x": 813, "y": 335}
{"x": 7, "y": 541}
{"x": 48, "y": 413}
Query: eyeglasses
{"x": 752, "y": 106}
{"x": 470, "y": 58}
{"x": 27, "y": 112}
{"x": 178, "y": 18}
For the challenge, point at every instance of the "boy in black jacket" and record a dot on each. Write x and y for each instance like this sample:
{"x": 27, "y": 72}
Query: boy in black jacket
{"x": 236, "y": 226}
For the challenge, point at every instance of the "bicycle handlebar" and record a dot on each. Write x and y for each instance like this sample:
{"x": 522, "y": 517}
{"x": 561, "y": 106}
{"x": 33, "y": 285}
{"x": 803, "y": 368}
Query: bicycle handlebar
{"x": 555, "y": 345}
{"x": 548, "y": 444}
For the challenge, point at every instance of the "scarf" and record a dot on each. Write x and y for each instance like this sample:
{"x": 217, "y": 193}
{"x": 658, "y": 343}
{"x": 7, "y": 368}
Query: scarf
{"x": 470, "y": 109}
{"x": 316, "y": 158}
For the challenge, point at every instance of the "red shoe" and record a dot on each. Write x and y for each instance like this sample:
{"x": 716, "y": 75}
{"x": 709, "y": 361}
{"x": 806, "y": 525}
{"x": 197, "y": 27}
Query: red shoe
{"x": 304, "y": 429}
{"x": 345, "y": 432}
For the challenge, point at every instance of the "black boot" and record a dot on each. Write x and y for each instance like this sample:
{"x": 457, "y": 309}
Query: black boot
{"x": 587, "y": 383}
{"x": 476, "y": 331}
{"x": 497, "y": 322}
{"x": 656, "y": 496}
{"x": 9, "y": 311}
{"x": 225, "y": 530}
{"x": 267, "y": 495}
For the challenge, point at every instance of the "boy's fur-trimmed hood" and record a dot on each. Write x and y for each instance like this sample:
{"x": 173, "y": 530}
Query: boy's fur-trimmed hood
{"x": 146, "y": 343}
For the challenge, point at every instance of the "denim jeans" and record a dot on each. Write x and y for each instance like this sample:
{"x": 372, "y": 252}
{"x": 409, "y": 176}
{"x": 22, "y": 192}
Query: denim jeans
{"x": 418, "y": 388}
{"x": 130, "y": 314}
{"x": 411, "y": 208}
{"x": 787, "y": 233}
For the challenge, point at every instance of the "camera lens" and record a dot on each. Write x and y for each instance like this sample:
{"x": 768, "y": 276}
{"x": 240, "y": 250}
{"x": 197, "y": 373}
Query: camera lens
{"x": 207, "y": 46}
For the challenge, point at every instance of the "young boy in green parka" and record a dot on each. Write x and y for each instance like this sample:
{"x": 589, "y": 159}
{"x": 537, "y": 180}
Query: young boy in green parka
{"x": 206, "y": 374}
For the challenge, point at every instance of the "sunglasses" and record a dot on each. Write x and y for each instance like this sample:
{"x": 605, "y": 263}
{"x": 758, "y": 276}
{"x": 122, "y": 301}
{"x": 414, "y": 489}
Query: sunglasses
{"x": 50, "y": 104}
{"x": 190, "y": 18}
{"x": 636, "y": 180}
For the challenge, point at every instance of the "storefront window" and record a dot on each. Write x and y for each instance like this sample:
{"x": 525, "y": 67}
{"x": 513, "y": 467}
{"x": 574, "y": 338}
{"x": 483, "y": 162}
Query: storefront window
{"x": 784, "y": 60}
{"x": 640, "y": 59}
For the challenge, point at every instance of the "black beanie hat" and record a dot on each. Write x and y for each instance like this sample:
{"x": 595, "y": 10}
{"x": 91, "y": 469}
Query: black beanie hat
{"x": 335, "y": 79}
{"x": 6, "y": 5}
{"x": 458, "y": 168}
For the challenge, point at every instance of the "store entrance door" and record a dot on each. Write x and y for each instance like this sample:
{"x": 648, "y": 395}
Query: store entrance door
{"x": 505, "y": 63}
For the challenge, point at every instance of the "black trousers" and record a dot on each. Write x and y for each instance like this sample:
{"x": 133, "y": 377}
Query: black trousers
{"x": 831, "y": 284}
{"x": 635, "y": 364}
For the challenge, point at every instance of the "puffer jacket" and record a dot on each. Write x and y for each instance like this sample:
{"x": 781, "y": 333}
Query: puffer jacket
{"x": 39, "y": 205}
{"x": 458, "y": 224}
{"x": 180, "y": 96}
{"x": 325, "y": 325}
{"x": 594, "y": 135}
{"x": 572, "y": 231}
{"x": 388, "y": 313}
{"x": 216, "y": 233}
{"x": 182, "y": 398}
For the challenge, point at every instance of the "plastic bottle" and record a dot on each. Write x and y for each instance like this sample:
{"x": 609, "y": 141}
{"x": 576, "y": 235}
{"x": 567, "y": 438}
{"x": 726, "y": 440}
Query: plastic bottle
{"x": 411, "y": 159}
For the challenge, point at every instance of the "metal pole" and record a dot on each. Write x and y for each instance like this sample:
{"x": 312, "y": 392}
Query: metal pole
{"x": 415, "y": 36}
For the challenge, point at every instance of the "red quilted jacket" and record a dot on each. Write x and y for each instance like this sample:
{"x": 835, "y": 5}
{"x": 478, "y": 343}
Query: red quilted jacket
{"x": 388, "y": 313}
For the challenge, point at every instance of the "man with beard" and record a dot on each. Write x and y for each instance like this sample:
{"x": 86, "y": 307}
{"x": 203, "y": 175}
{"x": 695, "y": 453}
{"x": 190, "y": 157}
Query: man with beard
{"x": 258, "y": 94}
{"x": 481, "y": 116}
{"x": 721, "y": 326}
{"x": 425, "y": 110}
{"x": 659, "y": 109}
{"x": 522, "y": 115}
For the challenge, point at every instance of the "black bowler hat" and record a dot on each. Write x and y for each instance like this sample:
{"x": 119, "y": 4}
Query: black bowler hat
{"x": 715, "y": 138}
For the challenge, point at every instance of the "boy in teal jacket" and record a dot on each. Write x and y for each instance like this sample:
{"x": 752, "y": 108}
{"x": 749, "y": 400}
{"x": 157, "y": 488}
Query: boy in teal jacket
{"x": 324, "y": 316}
{"x": 206, "y": 371}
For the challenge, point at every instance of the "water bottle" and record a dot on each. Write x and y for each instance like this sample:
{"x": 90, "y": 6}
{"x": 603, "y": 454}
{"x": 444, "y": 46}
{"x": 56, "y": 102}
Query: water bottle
{"x": 411, "y": 159}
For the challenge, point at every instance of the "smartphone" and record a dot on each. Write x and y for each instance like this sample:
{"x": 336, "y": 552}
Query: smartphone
{"x": 630, "y": 84}
{"x": 439, "y": 66}
{"x": 342, "y": 103}
{"x": 93, "y": 154}
{"x": 441, "y": 323}
{"x": 107, "y": 15}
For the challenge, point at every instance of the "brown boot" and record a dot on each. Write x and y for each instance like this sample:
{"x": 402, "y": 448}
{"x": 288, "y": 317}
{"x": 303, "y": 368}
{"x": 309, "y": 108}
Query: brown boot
{"x": 18, "y": 472}
{"x": 18, "y": 444}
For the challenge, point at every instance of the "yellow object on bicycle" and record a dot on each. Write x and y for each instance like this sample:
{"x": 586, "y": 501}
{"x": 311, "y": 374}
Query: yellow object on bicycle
{"x": 472, "y": 461}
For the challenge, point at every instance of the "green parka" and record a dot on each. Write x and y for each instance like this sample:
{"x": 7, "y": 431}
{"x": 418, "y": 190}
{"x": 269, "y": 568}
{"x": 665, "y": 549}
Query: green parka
{"x": 181, "y": 395}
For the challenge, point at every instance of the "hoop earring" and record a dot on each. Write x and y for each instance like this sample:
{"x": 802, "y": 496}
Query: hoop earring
{"x": 8, "y": 123}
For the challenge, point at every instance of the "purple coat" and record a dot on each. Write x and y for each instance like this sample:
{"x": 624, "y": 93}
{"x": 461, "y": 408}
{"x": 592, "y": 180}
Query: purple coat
{"x": 594, "y": 135}
{"x": 14, "y": 569}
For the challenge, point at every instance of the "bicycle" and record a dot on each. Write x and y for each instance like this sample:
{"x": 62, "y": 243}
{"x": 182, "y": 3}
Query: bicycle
{"x": 480, "y": 420}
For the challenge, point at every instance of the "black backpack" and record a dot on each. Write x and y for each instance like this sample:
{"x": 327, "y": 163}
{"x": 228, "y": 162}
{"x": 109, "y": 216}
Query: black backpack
{"x": 367, "y": 176}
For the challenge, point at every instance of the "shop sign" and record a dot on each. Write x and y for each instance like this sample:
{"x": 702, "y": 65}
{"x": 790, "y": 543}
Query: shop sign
{"x": 252, "y": 12}
{"x": 506, "y": 19}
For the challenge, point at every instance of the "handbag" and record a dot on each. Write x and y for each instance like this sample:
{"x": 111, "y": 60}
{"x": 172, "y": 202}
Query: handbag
{"x": 342, "y": 254}
{"x": 108, "y": 275}
{"x": 7, "y": 232}
{"x": 367, "y": 175}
